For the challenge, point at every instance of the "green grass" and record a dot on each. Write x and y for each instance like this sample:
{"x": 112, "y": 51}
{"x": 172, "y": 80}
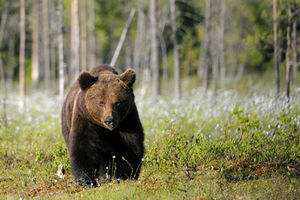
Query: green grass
{"x": 242, "y": 147}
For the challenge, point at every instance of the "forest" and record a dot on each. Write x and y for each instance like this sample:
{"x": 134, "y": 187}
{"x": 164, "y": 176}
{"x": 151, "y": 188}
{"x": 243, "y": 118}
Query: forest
{"x": 217, "y": 90}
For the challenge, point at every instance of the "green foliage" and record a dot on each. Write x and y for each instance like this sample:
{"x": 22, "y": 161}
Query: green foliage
{"x": 195, "y": 148}
{"x": 243, "y": 138}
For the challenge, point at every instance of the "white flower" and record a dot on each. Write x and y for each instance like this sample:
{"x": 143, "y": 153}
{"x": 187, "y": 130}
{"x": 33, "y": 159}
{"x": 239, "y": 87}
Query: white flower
{"x": 60, "y": 171}
{"x": 113, "y": 156}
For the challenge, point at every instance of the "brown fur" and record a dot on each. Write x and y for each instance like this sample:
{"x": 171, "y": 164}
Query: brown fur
{"x": 97, "y": 96}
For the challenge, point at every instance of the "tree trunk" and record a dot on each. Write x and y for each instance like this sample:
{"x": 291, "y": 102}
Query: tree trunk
{"x": 207, "y": 45}
{"x": 22, "y": 57}
{"x": 164, "y": 60}
{"x": 177, "y": 81}
{"x": 154, "y": 48}
{"x": 139, "y": 47}
{"x": 164, "y": 19}
{"x": 82, "y": 14}
{"x": 146, "y": 75}
{"x": 35, "y": 45}
{"x": 122, "y": 38}
{"x": 92, "y": 39}
{"x": 128, "y": 47}
{"x": 221, "y": 42}
{"x": 46, "y": 44}
{"x": 294, "y": 46}
{"x": 2, "y": 29}
{"x": 74, "y": 62}
{"x": 276, "y": 49}
{"x": 53, "y": 38}
{"x": 12, "y": 62}
{"x": 41, "y": 44}
{"x": 214, "y": 49}
{"x": 288, "y": 53}
{"x": 2, "y": 73}
{"x": 60, "y": 51}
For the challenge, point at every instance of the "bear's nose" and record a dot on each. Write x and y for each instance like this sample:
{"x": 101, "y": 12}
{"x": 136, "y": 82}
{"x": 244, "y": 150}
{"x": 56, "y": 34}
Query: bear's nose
{"x": 109, "y": 121}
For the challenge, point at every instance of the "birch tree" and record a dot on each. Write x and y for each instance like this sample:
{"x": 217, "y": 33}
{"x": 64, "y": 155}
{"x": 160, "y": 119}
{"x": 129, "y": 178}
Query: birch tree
{"x": 276, "y": 48}
{"x": 35, "y": 44}
{"x": 74, "y": 62}
{"x": 207, "y": 45}
{"x": 45, "y": 5}
{"x": 122, "y": 38}
{"x": 294, "y": 48}
{"x": 164, "y": 15}
{"x": 146, "y": 71}
{"x": 22, "y": 57}
{"x": 214, "y": 48}
{"x": 60, "y": 51}
{"x": 154, "y": 48}
{"x": 53, "y": 43}
{"x": 128, "y": 42}
{"x": 12, "y": 61}
{"x": 2, "y": 74}
{"x": 165, "y": 67}
{"x": 140, "y": 37}
{"x": 83, "y": 35}
{"x": 288, "y": 51}
{"x": 2, "y": 29}
{"x": 92, "y": 39}
{"x": 177, "y": 80}
{"x": 221, "y": 42}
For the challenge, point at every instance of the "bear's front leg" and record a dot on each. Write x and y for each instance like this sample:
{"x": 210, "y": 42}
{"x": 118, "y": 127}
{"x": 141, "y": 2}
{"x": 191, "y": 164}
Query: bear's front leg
{"x": 83, "y": 160}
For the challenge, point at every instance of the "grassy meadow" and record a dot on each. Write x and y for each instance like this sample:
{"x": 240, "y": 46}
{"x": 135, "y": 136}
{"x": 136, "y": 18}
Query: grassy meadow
{"x": 244, "y": 145}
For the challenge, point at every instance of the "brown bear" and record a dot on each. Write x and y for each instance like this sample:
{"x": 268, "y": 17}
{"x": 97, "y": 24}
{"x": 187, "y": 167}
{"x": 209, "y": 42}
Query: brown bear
{"x": 101, "y": 126}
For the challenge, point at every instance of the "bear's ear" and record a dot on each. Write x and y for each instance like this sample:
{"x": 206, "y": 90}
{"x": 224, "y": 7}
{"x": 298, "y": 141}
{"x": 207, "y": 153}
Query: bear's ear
{"x": 128, "y": 77}
{"x": 86, "y": 80}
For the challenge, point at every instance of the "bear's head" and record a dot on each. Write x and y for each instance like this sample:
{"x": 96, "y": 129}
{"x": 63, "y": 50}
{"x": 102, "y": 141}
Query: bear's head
{"x": 108, "y": 97}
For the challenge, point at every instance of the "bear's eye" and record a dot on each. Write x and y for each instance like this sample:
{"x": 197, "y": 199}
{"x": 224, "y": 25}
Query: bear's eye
{"x": 117, "y": 105}
{"x": 101, "y": 104}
